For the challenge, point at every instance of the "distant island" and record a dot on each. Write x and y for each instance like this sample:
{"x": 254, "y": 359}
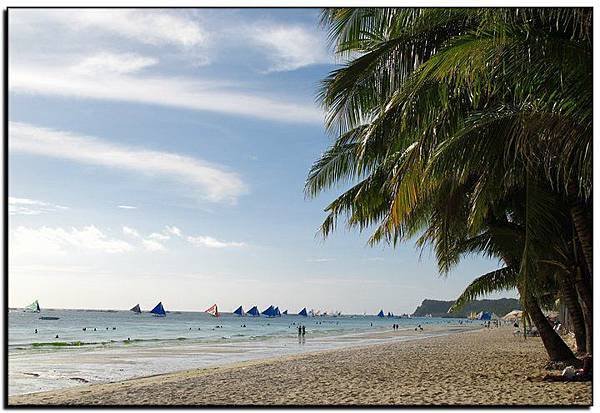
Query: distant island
{"x": 439, "y": 308}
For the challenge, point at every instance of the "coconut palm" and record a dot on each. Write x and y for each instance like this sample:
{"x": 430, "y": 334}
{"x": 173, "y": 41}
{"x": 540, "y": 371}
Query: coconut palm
{"x": 440, "y": 114}
{"x": 503, "y": 237}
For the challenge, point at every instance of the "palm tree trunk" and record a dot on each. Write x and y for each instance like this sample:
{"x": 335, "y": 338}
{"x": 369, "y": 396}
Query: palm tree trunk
{"x": 583, "y": 226}
{"x": 585, "y": 295}
{"x": 555, "y": 346}
{"x": 571, "y": 300}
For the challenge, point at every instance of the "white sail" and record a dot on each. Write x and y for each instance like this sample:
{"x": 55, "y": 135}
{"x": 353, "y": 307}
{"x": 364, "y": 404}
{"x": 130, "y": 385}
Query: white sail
{"x": 33, "y": 307}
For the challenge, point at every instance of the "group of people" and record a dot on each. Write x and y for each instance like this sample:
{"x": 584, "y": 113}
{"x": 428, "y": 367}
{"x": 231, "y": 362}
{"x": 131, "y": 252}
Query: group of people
{"x": 85, "y": 328}
{"x": 489, "y": 323}
{"x": 301, "y": 330}
{"x": 397, "y": 327}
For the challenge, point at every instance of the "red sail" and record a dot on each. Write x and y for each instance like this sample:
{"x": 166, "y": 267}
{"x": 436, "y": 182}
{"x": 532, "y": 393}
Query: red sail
{"x": 212, "y": 310}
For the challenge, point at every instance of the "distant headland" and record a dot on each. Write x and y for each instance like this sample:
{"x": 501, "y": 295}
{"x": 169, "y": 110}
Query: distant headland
{"x": 439, "y": 308}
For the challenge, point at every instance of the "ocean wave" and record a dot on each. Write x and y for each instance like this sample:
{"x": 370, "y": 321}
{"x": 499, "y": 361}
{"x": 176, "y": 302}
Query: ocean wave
{"x": 66, "y": 344}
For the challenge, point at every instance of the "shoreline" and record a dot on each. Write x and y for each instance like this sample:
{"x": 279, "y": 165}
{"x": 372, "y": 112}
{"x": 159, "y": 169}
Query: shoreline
{"x": 167, "y": 355}
{"x": 476, "y": 367}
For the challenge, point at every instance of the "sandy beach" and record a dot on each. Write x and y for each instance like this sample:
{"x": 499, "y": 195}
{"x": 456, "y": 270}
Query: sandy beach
{"x": 470, "y": 368}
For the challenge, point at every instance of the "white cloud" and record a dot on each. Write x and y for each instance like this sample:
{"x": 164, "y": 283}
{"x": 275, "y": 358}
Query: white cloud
{"x": 25, "y": 206}
{"x": 173, "y": 230}
{"x": 290, "y": 47}
{"x": 155, "y": 27}
{"x": 126, "y": 207}
{"x": 204, "y": 241}
{"x": 211, "y": 182}
{"x": 61, "y": 269}
{"x": 320, "y": 259}
{"x": 148, "y": 26}
{"x": 131, "y": 232}
{"x": 159, "y": 237}
{"x": 101, "y": 63}
{"x": 75, "y": 54}
{"x": 179, "y": 92}
{"x": 152, "y": 245}
{"x": 59, "y": 241}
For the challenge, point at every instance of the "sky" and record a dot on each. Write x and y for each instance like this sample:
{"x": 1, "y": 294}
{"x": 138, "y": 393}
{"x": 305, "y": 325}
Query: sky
{"x": 160, "y": 155}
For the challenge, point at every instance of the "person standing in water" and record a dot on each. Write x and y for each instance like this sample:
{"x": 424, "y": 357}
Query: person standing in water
{"x": 303, "y": 330}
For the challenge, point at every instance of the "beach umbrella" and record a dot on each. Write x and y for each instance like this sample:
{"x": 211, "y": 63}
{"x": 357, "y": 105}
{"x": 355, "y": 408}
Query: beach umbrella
{"x": 513, "y": 315}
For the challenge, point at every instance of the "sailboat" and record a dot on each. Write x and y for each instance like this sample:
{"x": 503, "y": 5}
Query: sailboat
{"x": 240, "y": 311}
{"x": 277, "y": 312}
{"x": 303, "y": 312}
{"x": 254, "y": 312}
{"x": 136, "y": 309}
{"x": 390, "y": 314}
{"x": 285, "y": 312}
{"x": 212, "y": 310}
{"x": 159, "y": 310}
{"x": 381, "y": 314}
{"x": 270, "y": 312}
{"x": 33, "y": 307}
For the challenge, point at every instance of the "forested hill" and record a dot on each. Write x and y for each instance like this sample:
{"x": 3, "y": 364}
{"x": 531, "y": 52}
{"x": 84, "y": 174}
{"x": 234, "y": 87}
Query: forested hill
{"x": 440, "y": 308}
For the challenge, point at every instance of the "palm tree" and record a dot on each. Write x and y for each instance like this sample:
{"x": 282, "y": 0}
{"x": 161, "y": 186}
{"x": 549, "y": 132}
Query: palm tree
{"x": 440, "y": 114}
{"x": 504, "y": 237}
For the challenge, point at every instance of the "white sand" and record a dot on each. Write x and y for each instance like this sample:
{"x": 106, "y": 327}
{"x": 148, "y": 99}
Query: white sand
{"x": 471, "y": 368}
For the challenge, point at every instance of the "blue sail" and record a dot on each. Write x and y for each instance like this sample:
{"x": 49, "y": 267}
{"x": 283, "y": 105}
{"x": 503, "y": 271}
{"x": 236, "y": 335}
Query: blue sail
{"x": 239, "y": 311}
{"x": 159, "y": 310}
{"x": 381, "y": 314}
{"x": 277, "y": 312}
{"x": 254, "y": 312}
{"x": 269, "y": 312}
{"x": 303, "y": 312}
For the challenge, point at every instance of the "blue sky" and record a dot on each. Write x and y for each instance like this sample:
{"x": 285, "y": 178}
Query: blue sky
{"x": 161, "y": 155}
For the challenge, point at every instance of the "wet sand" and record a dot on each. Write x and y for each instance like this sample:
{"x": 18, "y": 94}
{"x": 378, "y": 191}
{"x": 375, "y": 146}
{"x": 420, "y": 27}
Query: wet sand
{"x": 484, "y": 367}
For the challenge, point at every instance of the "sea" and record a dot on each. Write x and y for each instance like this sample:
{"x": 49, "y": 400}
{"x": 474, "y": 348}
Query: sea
{"x": 97, "y": 346}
